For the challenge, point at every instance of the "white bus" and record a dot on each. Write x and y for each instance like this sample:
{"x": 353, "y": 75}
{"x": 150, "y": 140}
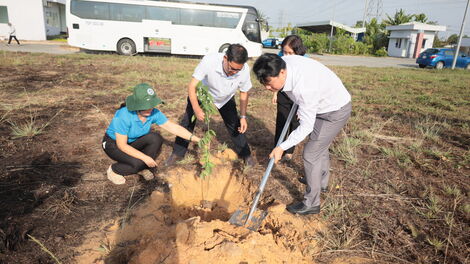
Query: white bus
{"x": 131, "y": 26}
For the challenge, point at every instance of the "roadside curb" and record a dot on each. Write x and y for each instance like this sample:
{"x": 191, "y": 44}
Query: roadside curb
{"x": 44, "y": 42}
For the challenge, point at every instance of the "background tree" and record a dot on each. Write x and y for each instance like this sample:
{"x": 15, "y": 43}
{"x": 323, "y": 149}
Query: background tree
{"x": 400, "y": 17}
{"x": 358, "y": 24}
{"x": 376, "y": 35}
{"x": 437, "y": 43}
{"x": 453, "y": 39}
{"x": 423, "y": 19}
{"x": 420, "y": 18}
{"x": 285, "y": 31}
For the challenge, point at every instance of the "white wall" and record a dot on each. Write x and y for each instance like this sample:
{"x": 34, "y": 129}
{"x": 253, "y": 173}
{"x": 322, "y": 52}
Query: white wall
{"x": 408, "y": 43}
{"x": 399, "y": 51}
{"x": 28, "y": 18}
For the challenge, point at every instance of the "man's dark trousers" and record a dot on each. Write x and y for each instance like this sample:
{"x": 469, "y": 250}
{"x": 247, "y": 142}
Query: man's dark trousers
{"x": 13, "y": 37}
{"x": 231, "y": 120}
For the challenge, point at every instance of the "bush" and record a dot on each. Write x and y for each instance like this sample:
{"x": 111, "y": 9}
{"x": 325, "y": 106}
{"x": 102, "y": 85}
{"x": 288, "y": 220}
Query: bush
{"x": 361, "y": 48}
{"x": 381, "y": 52}
{"x": 315, "y": 43}
{"x": 343, "y": 44}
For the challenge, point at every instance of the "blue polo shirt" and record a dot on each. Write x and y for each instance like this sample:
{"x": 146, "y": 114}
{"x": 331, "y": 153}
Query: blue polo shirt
{"x": 127, "y": 123}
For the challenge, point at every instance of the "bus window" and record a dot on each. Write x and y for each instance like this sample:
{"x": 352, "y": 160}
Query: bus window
{"x": 251, "y": 28}
{"x": 130, "y": 13}
{"x": 194, "y": 17}
{"x": 90, "y": 10}
{"x": 163, "y": 13}
{"x": 226, "y": 19}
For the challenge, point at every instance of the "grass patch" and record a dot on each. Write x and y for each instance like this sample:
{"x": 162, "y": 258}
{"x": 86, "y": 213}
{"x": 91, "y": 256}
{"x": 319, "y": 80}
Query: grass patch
{"x": 29, "y": 128}
{"x": 346, "y": 149}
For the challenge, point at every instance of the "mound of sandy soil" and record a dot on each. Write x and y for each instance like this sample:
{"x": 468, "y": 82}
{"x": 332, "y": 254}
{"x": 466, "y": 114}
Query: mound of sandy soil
{"x": 189, "y": 224}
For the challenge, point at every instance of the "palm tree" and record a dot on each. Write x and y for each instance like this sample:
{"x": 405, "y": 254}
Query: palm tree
{"x": 420, "y": 18}
{"x": 376, "y": 35}
{"x": 399, "y": 18}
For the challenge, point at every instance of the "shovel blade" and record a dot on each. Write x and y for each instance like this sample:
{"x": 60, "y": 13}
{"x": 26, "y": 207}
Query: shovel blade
{"x": 239, "y": 218}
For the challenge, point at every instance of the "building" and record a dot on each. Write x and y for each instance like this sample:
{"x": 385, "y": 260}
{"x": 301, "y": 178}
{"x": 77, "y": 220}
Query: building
{"x": 33, "y": 19}
{"x": 408, "y": 40}
{"x": 329, "y": 27}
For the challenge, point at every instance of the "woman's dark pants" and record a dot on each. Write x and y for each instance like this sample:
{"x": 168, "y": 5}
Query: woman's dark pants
{"x": 149, "y": 144}
{"x": 284, "y": 104}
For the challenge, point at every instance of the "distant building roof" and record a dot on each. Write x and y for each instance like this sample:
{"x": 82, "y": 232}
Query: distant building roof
{"x": 417, "y": 26}
{"x": 325, "y": 27}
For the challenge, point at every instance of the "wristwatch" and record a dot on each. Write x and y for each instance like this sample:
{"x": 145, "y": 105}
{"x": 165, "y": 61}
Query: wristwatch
{"x": 243, "y": 116}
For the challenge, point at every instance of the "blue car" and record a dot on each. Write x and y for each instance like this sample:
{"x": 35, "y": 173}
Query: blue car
{"x": 271, "y": 43}
{"x": 442, "y": 58}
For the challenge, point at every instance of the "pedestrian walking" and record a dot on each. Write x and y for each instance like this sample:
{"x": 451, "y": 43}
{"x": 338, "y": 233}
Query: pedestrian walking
{"x": 12, "y": 34}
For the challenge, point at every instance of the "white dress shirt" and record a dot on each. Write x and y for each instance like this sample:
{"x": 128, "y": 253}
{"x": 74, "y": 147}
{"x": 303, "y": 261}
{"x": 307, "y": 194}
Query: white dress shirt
{"x": 316, "y": 89}
{"x": 222, "y": 87}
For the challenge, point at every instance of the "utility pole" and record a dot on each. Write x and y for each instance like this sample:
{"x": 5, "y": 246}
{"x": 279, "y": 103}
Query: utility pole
{"x": 332, "y": 21}
{"x": 460, "y": 36}
{"x": 364, "y": 16}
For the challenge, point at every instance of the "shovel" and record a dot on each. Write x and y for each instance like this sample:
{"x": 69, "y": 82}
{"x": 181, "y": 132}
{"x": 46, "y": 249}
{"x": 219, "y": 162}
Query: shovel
{"x": 254, "y": 217}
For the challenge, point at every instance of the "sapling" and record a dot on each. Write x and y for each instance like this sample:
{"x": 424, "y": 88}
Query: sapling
{"x": 207, "y": 105}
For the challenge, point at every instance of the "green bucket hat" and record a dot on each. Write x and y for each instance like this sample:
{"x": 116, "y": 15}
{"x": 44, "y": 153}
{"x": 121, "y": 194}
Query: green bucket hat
{"x": 143, "y": 98}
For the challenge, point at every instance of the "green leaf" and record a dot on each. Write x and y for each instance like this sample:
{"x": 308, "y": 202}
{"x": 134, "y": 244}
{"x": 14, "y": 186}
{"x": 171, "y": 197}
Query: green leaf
{"x": 193, "y": 118}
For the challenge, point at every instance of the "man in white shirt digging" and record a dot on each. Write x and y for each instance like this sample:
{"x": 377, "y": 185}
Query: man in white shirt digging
{"x": 324, "y": 108}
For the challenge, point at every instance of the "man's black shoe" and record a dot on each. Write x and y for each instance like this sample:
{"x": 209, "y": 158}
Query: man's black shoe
{"x": 172, "y": 159}
{"x": 301, "y": 209}
{"x": 249, "y": 161}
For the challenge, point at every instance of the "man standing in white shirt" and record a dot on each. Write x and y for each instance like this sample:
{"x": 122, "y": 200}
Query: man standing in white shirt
{"x": 223, "y": 74}
{"x": 324, "y": 108}
{"x": 12, "y": 34}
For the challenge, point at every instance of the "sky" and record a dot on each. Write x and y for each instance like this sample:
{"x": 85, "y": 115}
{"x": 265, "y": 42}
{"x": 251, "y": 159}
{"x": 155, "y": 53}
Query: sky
{"x": 448, "y": 13}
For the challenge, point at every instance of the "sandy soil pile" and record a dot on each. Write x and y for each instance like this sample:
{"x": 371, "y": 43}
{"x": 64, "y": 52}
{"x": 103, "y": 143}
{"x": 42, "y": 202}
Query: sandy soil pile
{"x": 190, "y": 224}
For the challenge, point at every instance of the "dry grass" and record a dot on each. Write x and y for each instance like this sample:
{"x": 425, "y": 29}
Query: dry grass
{"x": 408, "y": 135}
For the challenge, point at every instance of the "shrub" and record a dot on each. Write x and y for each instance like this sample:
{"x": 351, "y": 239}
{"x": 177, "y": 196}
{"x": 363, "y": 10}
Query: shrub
{"x": 381, "y": 52}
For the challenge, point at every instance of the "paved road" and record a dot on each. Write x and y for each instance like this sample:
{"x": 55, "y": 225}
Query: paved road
{"x": 54, "y": 47}
{"x": 368, "y": 61}
{"x": 39, "y": 46}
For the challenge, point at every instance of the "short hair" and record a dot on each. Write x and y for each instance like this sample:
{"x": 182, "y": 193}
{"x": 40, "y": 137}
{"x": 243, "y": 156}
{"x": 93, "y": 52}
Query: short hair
{"x": 295, "y": 43}
{"x": 237, "y": 53}
{"x": 268, "y": 65}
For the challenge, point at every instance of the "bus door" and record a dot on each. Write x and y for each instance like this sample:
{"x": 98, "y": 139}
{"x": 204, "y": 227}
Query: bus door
{"x": 157, "y": 36}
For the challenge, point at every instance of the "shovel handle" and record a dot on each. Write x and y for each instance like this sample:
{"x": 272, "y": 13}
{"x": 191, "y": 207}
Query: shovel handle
{"x": 264, "y": 180}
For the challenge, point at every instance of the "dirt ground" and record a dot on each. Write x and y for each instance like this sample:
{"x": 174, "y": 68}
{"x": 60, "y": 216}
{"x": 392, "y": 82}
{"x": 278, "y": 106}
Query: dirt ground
{"x": 53, "y": 188}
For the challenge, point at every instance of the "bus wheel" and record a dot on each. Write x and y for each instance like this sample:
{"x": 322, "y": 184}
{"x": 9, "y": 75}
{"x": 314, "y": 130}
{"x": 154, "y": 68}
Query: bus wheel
{"x": 126, "y": 47}
{"x": 223, "y": 48}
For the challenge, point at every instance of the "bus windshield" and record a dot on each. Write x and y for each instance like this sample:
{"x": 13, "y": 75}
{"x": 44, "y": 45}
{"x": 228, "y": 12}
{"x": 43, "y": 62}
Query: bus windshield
{"x": 251, "y": 27}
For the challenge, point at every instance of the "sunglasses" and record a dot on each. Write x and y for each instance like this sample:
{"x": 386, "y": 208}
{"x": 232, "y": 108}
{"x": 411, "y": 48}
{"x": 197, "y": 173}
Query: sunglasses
{"x": 232, "y": 69}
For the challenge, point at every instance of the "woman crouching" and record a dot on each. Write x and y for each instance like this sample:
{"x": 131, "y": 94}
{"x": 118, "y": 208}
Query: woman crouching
{"x": 128, "y": 139}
